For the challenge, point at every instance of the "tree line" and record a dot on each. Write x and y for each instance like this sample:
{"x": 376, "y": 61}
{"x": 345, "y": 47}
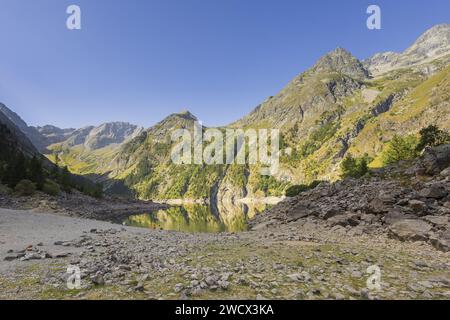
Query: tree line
{"x": 26, "y": 174}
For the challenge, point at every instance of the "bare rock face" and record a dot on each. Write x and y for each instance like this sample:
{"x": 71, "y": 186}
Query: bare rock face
{"x": 433, "y": 44}
{"x": 110, "y": 133}
{"x": 341, "y": 61}
{"x": 54, "y": 134}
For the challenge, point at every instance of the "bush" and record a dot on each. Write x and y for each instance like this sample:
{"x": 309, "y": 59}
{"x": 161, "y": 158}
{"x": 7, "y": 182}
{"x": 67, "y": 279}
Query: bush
{"x": 25, "y": 188}
{"x": 51, "y": 188}
{"x": 432, "y": 136}
{"x": 400, "y": 148}
{"x": 354, "y": 167}
{"x": 95, "y": 191}
{"x": 295, "y": 190}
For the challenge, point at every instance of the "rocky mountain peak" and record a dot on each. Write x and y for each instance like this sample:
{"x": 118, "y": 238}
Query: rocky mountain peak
{"x": 434, "y": 42}
{"x": 185, "y": 114}
{"x": 341, "y": 61}
{"x": 180, "y": 120}
{"x": 431, "y": 45}
{"x": 111, "y": 133}
{"x": 50, "y": 130}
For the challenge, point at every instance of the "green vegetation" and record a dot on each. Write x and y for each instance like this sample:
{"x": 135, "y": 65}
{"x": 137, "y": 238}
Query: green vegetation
{"x": 26, "y": 174}
{"x": 354, "y": 167}
{"x": 51, "y": 188}
{"x": 25, "y": 188}
{"x": 297, "y": 189}
{"x": 400, "y": 148}
{"x": 317, "y": 138}
{"x": 14, "y": 166}
{"x": 432, "y": 136}
{"x": 269, "y": 185}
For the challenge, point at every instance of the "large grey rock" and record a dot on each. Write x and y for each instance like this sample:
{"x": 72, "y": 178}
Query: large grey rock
{"x": 440, "y": 221}
{"x": 395, "y": 216}
{"x": 412, "y": 230}
{"x": 434, "y": 191}
{"x": 348, "y": 219}
{"x": 436, "y": 159}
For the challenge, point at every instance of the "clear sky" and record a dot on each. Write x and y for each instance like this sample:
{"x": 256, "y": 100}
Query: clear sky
{"x": 140, "y": 60}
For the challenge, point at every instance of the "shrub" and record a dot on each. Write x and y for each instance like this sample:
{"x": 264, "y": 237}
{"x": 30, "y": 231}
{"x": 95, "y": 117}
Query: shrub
{"x": 95, "y": 191}
{"x": 25, "y": 188}
{"x": 295, "y": 190}
{"x": 354, "y": 167}
{"x": 400, "y": 148}
{"x": 432, "y": 136}
{"x": 51, "y": 188}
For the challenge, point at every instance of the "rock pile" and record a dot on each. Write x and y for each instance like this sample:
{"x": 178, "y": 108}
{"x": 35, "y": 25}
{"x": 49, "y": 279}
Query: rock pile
{"x": 411, "y": 202}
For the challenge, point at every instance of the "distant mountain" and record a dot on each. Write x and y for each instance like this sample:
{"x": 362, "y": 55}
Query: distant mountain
{"x": 433, "y": 44}
{"x": 110, "y": 133}
{"x": 54, "y": 134}
{"x": 339, "y": 106}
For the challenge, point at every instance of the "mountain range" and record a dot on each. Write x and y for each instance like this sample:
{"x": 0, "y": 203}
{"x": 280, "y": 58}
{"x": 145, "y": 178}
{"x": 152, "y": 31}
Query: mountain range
{"x": 339, "y": 106}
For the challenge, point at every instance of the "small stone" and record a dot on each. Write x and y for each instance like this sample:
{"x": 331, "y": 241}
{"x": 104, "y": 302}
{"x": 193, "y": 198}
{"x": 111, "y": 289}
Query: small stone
{"x": 98, "y": 280}
{"x": 210, "y": 281}
{"x": 338, "y": 296}
{"x": 224, "y": 285}
{"x": 178, "y": 287}
{"x": 10, "y": 258}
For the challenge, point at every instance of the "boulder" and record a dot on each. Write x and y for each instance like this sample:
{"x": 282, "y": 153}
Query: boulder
{"x": 348, "y": 219}
{"x": 410, "y": 230}
{"x": 440, "y": 221}
{"x": 434, "y": 191}
{"x": 417, "y": 206}
{"x": 442, "y": 243}
{"x": 378, "y": 206}
{"x": 330, "y": 212}
{"x": 394, "y": 216}
{"x": 436, "y": 159}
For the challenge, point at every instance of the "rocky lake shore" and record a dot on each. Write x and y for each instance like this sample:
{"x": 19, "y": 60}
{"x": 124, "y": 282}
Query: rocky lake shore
{"x": 321, "y": 244}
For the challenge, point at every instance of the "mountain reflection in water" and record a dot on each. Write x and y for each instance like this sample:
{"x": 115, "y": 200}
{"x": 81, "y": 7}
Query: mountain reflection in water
{"x": 198, "y": 218}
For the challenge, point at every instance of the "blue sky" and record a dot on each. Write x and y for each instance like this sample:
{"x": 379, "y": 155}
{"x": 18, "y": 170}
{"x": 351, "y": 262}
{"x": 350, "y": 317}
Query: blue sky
{"x": 140, "y": 60}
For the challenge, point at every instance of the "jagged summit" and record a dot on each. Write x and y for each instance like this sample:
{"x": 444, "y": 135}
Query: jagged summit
{"x": 432, "y": 44}
{"x": 111, "y": 133}
{"x": 341, "y": 61}
{"x": 181, "y": 120}
{"x": 185, "y": 114}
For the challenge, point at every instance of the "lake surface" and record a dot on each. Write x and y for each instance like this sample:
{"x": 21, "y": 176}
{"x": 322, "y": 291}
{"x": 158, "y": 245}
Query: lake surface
{"x": 198, "y": 218}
